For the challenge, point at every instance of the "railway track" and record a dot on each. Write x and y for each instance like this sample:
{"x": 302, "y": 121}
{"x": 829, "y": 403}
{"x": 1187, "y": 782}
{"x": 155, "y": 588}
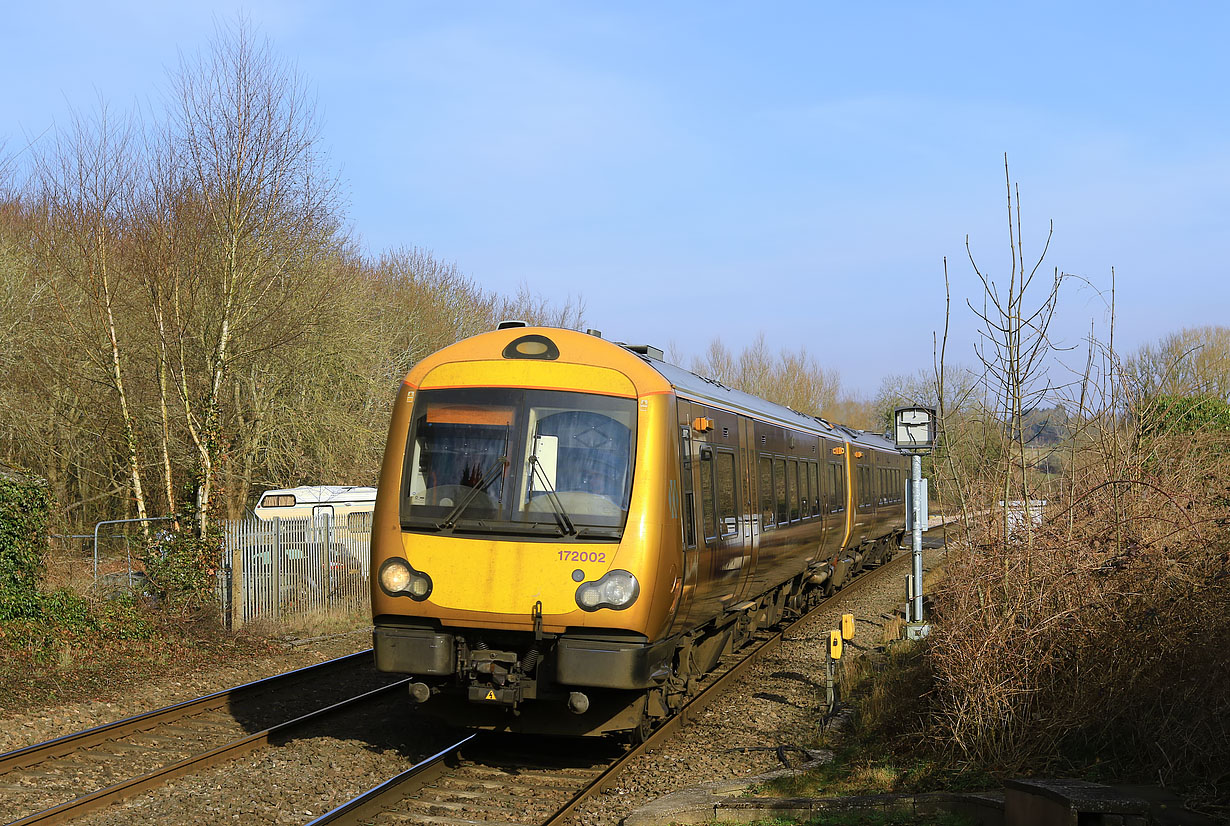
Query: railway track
{"x": 506, "y": 779}
{"x": 65, "y": 778}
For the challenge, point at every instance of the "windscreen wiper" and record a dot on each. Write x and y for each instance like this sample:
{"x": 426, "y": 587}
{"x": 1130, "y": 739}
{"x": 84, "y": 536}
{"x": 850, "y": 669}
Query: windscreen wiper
{"x": 561, "y": 514}
{"x": 487, "y": 479}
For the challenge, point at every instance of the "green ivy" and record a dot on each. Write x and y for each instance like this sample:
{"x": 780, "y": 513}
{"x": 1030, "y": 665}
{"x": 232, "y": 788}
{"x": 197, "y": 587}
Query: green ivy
{"x": 61, "y": 618}
{"x": 25, "y": 504}
{"x": 183, "y": 567}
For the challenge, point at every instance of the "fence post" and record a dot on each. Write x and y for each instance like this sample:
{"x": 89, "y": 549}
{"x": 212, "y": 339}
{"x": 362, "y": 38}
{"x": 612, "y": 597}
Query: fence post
{"x": 326, "y": 596}
{"x": 277, "y": 568}
{"x": 237, "y": 595}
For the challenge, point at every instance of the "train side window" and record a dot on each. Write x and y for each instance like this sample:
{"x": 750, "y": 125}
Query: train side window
{"x": 766, "y": 492}
{"x": 779, "y": 490}
{"x": 813, "y": 475}
{"x": 792, "y": 476}
{"x": 805, "y": 492}
{"x": 706, "y": 492}
{"x": 837, "y": 489}
{"x": 688, "y": 516}
{"x": 728, "y": 517}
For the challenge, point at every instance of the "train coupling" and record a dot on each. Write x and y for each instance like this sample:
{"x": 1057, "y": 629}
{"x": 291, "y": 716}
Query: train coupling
{"x": 507, "y": 695}
{"x": 497, "y": 678}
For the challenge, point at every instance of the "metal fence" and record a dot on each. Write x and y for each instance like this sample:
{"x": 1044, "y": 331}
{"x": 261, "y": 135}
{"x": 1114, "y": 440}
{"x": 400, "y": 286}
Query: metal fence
{"x": 290, "y": 566}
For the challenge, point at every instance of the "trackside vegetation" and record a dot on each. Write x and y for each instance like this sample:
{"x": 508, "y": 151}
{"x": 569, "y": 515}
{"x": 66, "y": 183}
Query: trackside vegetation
{"x": 1081, "y": 622}
{"x": 25, "y": 506}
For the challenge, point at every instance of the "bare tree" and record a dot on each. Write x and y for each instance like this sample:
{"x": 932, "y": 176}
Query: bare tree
{"x": 244, "y": 136}
{"x": 86, "y": 185}
{"x": 1014, "y": 343}
{"x": 1194, "y": 361}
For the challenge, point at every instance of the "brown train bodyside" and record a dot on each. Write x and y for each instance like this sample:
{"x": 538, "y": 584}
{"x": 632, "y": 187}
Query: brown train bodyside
{"x": 738, "y": 510}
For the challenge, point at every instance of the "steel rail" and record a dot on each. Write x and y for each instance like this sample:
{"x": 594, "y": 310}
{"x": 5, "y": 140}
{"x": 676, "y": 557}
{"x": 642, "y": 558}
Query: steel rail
{"x": 61, "y": 746}
{"x": 713, "y": 691}
{"x": 371, "y": 803}
{"x": 65, "y": 812}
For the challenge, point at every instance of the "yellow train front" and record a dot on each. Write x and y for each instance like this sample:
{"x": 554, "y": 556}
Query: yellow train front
{"x": 568, "y": 531}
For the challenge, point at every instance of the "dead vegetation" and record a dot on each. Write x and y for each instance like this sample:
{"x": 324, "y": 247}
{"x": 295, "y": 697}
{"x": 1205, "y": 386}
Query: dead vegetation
{"x": 1085, "y": 636}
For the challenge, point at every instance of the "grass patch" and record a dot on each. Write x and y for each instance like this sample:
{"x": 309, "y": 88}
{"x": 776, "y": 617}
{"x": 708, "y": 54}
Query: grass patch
{"x": 878, "y": 748}
{"x": 317, "y": 622}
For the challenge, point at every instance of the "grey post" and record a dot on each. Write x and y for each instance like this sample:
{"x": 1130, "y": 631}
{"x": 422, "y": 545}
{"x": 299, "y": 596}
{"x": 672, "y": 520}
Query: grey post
{"x": 914, "y": 433}
{"x": 916, "y": 612}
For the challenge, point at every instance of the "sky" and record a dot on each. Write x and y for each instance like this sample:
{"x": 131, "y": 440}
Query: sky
{"x": 695, "y": 170}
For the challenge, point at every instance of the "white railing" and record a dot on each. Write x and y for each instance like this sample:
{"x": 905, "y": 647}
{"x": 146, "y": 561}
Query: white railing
{"x": 290, "y": 566}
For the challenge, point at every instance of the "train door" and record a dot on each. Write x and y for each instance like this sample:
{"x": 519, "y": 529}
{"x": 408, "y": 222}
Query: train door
{"x": 863, "y": 485}
{"x": 748, "y": 503}
{"x": 720, "y": 490}
{"x": 688, "y": 519}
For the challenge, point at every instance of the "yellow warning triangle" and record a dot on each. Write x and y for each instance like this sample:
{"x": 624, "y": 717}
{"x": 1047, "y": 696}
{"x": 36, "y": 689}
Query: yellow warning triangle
{"x": 490, "y": 694}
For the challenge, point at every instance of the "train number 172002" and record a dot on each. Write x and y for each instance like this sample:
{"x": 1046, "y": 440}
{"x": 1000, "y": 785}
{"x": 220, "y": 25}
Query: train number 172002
{"x": 582, "y": 556}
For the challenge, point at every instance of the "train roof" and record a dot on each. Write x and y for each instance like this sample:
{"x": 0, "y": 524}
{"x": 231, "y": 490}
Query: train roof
{"x": 645, "y": 366}
{"x": 712, "y": 390}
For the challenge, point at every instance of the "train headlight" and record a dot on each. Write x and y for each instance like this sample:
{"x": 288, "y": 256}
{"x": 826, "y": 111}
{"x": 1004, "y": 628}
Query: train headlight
{"x": 616, "y": 590}
{"x": 398, "y": 579}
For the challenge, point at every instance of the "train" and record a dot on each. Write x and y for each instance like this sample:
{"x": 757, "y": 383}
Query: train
{"x": 569, "y": 532}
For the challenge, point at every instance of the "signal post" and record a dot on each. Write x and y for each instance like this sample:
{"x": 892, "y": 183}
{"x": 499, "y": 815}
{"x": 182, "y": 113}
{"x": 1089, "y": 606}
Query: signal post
{"x": 914, "y": 433}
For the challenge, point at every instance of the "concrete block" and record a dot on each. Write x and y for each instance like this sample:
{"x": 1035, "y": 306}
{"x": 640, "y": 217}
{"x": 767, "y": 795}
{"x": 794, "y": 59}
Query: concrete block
{"x": 1061, "y": 802}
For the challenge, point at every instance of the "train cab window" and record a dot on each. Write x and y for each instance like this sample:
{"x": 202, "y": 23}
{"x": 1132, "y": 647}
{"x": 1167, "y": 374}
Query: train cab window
{"x": 517, "y": 462}
{"x": 728, "y": 519}
{"x": 779, "y": 490}
{"x": 792, "y": 475}
{"x": 706, "y": 492}
{"x": 688, "y": 498}
{"x": 766, "y": 492}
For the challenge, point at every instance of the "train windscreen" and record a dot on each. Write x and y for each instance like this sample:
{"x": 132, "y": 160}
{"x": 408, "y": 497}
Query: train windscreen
{"x": 518, "y": 461}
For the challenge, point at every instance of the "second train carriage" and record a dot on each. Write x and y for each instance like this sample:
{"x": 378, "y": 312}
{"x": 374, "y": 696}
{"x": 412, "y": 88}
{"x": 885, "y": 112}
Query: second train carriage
{"x": 569, "y": 531}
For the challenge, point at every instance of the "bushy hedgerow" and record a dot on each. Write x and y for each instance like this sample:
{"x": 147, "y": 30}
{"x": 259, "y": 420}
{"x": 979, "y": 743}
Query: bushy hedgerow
{"x": 25, "y": 503}
{"x": 1204, "y": 415}
{"x": 62, "y": 618}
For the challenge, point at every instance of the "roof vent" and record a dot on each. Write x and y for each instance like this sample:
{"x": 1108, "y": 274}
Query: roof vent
{"x": 507, "y": 325}
{"x": 594, "y": 333}
{"x": 646, "y": 350}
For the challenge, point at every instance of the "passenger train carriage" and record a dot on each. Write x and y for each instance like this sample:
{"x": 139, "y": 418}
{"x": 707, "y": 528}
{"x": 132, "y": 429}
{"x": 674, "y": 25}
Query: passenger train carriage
{"x": 570, "y": 531}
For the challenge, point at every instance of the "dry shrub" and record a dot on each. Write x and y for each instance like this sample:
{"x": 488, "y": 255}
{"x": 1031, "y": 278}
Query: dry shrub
{"x": 1097, "y": 637}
